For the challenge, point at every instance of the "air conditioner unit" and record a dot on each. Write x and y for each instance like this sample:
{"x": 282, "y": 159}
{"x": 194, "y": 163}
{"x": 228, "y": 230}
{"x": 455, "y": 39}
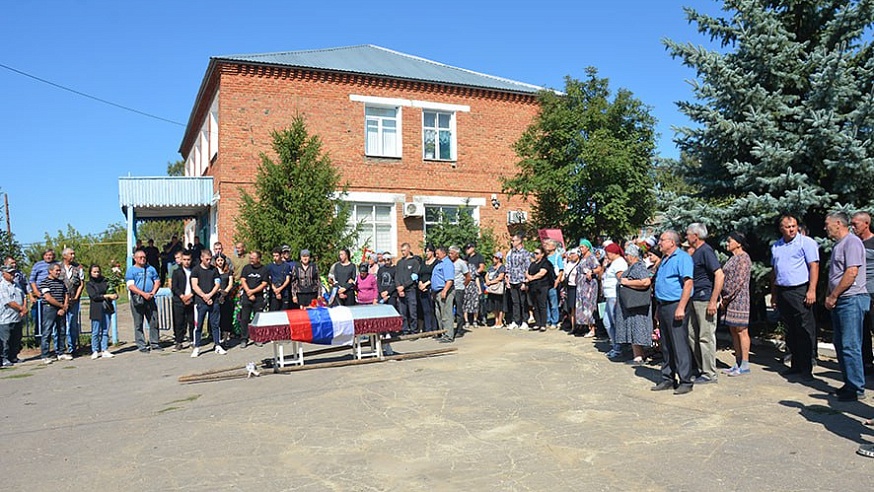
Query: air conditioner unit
{"x": 414, "y": 209}
{"x": 516, "y": 217}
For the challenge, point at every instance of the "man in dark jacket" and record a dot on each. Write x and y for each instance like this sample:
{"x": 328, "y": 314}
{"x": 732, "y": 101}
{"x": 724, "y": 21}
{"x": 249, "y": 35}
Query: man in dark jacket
{"x": 183, "y": 297}
{"x": 406, "y": 276}
{"x": 385, "y": 282}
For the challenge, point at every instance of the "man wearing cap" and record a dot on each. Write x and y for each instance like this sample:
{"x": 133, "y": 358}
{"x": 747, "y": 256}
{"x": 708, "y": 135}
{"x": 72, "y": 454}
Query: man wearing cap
{"x": 406, "y": 279}
{"x": 385, "y": 281}
{"x": 673, "y": 291}
{"x": 707, "y": 282}
{"x": 442, "y": 280}
{"x": 12, "y": 309}
{"x": 795, "y": 262}
{"x": 305, "y": 281}
{"x": 279, "y": 276}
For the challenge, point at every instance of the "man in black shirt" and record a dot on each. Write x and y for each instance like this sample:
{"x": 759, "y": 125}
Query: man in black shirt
{"x": 205, "y": 283}
{"x": 153, "y": 256}
{"x": 406, "y": 279}
{"x": 253, "y": 282}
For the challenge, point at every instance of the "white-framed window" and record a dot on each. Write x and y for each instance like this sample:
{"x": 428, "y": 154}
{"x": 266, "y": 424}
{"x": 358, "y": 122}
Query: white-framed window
{"x": 382, "y": 131}
{"x": 438, "y": 135}
{"x": 377, "y": 225}
{"x": 449, "y": 212}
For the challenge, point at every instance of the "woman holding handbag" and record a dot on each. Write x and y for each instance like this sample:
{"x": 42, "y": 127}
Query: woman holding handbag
{"x": 633, "y": 320}
{"x": 100, "y": 312}
{"x": 495, "y": 288}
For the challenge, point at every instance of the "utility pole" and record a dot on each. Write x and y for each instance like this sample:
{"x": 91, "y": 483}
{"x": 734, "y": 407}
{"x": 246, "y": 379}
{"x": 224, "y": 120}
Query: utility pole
{"x": 6, "y": 210}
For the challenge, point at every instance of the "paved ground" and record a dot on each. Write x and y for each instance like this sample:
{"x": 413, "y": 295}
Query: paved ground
{"x": 508, "y": 411}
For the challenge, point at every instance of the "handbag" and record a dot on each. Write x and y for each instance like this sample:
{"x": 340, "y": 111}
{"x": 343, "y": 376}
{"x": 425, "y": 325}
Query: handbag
{"x": 631, "y": 298}
{"x": 136, "y": 300}
{"x": 496, "y": 288}
{"x": 108, "y": 308}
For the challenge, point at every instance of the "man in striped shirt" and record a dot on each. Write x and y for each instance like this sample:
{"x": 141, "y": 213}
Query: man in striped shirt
{"x": 55, "y": 301}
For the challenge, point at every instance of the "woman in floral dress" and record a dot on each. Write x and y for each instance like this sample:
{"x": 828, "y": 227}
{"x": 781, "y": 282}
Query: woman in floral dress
{"x": 587, "y": 288}
{"x": 736, "y": 301}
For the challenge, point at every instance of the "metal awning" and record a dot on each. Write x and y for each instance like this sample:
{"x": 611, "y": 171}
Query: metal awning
{"x": 165, "y": 197}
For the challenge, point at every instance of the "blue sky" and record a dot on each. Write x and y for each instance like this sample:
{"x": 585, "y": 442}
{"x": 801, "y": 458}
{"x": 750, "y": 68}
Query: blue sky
{"x": 62, "y": 154}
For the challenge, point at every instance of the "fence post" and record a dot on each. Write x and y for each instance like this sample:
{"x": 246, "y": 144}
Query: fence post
{"x": 114, "y": 323}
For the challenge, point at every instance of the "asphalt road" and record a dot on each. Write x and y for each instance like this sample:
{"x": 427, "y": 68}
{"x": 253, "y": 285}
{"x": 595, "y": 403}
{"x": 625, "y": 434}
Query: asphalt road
{"x": 508, "y": 411}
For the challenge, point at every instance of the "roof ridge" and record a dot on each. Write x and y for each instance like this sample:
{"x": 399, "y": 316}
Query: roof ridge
{"x": 426, "y": 60}
{"x": 288, "y": 52}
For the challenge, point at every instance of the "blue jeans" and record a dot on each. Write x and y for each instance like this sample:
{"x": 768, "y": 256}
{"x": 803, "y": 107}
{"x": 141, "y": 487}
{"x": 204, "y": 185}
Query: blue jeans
{"x": 609, "y": 323}
{"x": 73, "y": 328}
{"x": 200, "y": 311}
{"x": 552, "y": 307}
{"x": 52, "y": 326}
{"x": 100, "y": 334}
{"x": 847, "y": 318}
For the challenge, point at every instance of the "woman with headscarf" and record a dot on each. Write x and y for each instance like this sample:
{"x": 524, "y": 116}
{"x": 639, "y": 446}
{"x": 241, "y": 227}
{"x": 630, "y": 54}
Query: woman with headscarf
{"x": 736, "y": 301}
{"x": 610, "y": 280}
{"x": 634, "y": 324}
{"x": 588, "y": 272}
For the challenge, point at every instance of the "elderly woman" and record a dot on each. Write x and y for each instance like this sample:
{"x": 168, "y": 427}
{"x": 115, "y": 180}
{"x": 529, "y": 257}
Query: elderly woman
{"x": 570, "y": 288}
{"x": 615, "y": 266}
{"x": 634, "y": 324}
{"x": 588, "y": 272}
{"x": 736, "y": 301}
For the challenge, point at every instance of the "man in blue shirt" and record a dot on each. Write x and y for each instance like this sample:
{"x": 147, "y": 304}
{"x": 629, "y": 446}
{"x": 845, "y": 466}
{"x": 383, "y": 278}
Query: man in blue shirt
{"x": 795, "y": 262}
{"x": 673, "y": 290}
{"x": 442, "y": 280}
{"x": 142, "y": 280}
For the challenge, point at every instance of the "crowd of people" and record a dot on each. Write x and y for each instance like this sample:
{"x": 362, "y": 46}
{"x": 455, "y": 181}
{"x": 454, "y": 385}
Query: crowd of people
{"x": 653, "y": 297}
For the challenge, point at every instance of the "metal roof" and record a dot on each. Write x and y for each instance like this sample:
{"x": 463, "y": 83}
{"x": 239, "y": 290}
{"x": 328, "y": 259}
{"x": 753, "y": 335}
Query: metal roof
{"x": 165, "y": 196}
{"x": 375, "y": 60}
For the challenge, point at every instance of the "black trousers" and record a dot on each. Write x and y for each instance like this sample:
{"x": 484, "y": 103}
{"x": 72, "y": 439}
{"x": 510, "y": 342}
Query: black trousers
{"x": 678, "y": 362}
{"x": 459, "y": 312}
{"x": 539, "y": 298}
{"x": 183, "y": 321}
{"x": 304, "y": 299}
{"x": 518, "y": 301}
{"x": 409, "y": 305}
{"x": 278, "y": 304}
{"x": 800, "y": 326}
{"x": 248, "y": 307}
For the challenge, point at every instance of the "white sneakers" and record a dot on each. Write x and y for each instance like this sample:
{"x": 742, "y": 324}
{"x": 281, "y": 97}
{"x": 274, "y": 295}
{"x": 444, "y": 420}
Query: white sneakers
{"x": 95, "y": 355}
{"x": 65, "y": 357}
{"x": 195, "y": 352}
{"x": 107, "y": 354}
{"x": 524, "y": 326}
{"x": 512, "y": 326}
{"x": 219, "y": 350}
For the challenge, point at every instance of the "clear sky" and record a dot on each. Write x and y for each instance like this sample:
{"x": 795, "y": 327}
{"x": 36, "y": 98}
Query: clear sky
{"x": 61, "y": 154}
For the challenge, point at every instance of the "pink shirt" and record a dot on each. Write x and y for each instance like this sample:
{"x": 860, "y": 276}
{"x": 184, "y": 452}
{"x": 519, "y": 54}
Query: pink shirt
{"x": 367, "y": 291}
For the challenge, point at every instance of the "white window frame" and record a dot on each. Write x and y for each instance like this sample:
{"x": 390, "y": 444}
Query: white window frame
{"x": 364, "y": 198}
{"x": 453, "y": 141}
{"x": 397, "y": 152}
{"x": 450, "y": 201}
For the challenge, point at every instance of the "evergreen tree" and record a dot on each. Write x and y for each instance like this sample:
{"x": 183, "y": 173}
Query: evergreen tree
{"x": 587, "y": 160}
{"x": 783, "y": 115}
{"x": 296, "y": 200}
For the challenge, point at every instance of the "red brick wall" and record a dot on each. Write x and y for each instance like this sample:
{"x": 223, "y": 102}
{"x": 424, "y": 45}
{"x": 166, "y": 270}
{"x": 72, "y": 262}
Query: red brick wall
{"x": 254, "y": 101}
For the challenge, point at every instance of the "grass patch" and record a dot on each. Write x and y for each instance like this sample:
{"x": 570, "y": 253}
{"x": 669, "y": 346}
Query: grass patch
{"x": 68, "y": 367}
{"x": 18, "y": 376}
{"x": 184, "y": 400}
{"x": 168, "y": 409}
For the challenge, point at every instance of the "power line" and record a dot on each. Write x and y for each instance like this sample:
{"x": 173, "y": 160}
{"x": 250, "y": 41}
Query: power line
{"x": 78, "y": 93}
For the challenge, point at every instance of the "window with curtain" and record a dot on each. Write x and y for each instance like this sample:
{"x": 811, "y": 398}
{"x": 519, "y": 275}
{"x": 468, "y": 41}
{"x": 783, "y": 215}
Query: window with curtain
{"x": 376, "y": 225}
{"x": 382, "y": 138}
{"x": 438, "y": 131}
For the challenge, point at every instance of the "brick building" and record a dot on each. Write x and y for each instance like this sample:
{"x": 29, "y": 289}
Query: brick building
{"x": 411, "y": 136}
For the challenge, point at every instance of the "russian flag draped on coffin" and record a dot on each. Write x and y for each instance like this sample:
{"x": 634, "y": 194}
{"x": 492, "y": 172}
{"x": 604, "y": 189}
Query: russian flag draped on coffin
{"x": 324, "y": 326}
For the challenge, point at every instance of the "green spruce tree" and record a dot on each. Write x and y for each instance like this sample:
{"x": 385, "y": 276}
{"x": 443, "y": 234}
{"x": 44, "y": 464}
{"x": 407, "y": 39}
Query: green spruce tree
{"x": 586, "y": 160}
{"x": 782, "y": 116}
{"x": 296, "y": 200}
